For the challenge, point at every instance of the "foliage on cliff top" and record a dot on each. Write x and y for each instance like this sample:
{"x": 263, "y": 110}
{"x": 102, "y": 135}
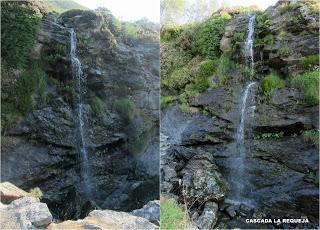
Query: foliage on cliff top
{"x": 19, "y": 26}
{"x": 208, "y": 36}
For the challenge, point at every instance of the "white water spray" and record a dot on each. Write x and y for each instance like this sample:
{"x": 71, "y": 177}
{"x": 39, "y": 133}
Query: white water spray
{"x": 248, "y": 48}
{"x": 79, "y": 78}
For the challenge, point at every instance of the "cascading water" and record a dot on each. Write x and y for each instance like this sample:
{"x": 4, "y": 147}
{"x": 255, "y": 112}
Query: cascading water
{"x": 82, "y": 145}
{"x": 248, "y": 49}
{"x": 238, "y": 176}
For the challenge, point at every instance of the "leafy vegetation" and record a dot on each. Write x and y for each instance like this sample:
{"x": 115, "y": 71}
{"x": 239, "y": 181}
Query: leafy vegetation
{"x": 178, "y": 79}
{"x": 20, "y": 101}
{"x": 207, "y": 39}
{"x": 97, "y": 105}
{"x": 310, "y": 62}
{"x": 127, "y": 109}
{"x": 166, "y": 100}
{"x": 311, "y": 136}
{"x": 170, "y": 32}
{"x": 172, "y": 215}
{"x": 19, "y": 26}
{"x": 271, "y": 82}
{"x": 309, "y": 84}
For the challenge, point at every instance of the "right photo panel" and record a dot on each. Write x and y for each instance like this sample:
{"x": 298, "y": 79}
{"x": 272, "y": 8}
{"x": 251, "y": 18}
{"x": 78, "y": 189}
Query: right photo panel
{"x": 239, "y": 135}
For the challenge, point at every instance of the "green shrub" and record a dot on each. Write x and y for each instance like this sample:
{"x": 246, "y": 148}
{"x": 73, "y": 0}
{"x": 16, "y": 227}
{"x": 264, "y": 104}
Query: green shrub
{"x": 262, "y": 20}
{"x": 267, "y": 40}
{"x": 97, "y": 106}
{"x": 271, "y": 82}
{"x": 166, "y": 100}
{"x": 309, "y": 62}
{"x": 19, "y": 26}
{"x": 309, "y": 84}
{"x": 224, "y": 64}
{"x": 126, "y": 109}
{"x": 26, "y": 85}
{"x": 172, "y": 216}
{"x": 239, "y": 37}
{"x": 206, "y": 69}
{"x": 171, "y": 59}
{"x": 169, "y": 32}
{"x": 311, "y": 136}
{"x": 208, "y": 36}
{"x": 178, "y": 79}
{"x": 186, "y": 38}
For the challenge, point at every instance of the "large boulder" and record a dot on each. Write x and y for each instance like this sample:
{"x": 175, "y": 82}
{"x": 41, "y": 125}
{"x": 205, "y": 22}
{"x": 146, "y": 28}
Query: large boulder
{"x": 106, "y": 219}
{"x": 9, "y": 192}
{"x": 201, "y": 180}
{"x": 25, "y": 213}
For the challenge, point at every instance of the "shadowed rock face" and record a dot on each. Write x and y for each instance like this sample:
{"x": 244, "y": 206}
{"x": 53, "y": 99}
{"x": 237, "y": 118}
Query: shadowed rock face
{"x": 43, "y": 148}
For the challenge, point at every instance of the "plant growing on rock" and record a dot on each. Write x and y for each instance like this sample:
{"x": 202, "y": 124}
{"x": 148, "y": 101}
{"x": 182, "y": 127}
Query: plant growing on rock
{"x": 172, "y": 215}
{"x": 309, "y": 84}
{"x": 97, "y": 106}
{"x": 207, "y": 39}
{"x": 166, "y": 100}
{"x": 126, "y": 109}
{"x": 270, "y": 83}
{"x": 311, "y": 136}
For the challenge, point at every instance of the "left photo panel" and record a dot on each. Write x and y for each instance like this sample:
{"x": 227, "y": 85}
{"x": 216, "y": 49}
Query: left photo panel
{"x": 80, "y": 114}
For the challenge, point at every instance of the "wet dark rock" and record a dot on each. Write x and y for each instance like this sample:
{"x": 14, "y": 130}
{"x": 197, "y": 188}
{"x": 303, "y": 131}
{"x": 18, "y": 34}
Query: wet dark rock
{"x": 201, "y": 181}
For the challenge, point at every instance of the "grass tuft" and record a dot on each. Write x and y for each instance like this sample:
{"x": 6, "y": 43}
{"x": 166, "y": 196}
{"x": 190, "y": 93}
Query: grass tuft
{"x": 309, "y": 84}
{"x": 172, "y": 215}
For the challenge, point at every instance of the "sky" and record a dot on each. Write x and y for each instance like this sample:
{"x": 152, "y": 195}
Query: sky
{"x": 127, "y": 10}
{"x": 132, "y": 10}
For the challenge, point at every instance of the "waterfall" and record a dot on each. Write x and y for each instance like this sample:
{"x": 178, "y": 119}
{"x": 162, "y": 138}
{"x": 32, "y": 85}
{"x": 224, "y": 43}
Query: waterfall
{"x": 79, "y": 79}
{"x": 248, "y": 48}
{"x": 239, "y": 179}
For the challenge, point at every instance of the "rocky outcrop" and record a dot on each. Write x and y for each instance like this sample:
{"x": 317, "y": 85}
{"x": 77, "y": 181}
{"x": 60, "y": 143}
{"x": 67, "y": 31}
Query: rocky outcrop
{"x": 286, "y": 34}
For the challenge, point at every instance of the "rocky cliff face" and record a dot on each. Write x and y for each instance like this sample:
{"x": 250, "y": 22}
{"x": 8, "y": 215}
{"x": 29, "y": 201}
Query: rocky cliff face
{"x": 281, "y": 164}
{"x": 121, "y": 119}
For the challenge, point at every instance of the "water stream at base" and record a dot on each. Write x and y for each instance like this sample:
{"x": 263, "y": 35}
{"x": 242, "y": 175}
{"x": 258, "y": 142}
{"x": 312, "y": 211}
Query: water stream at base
{"x": 238, "y": 176}
{"x": 82, "y": 145}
